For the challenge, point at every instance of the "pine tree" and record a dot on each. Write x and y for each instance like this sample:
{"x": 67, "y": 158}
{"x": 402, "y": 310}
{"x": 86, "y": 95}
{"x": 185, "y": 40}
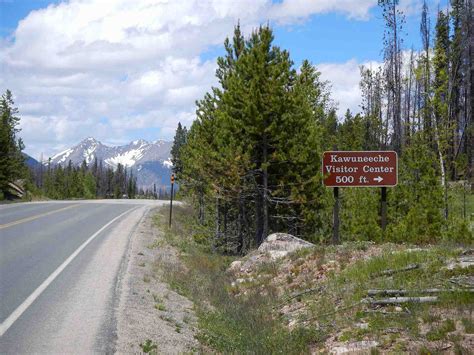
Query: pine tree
{"x": 255, "y": 145}
{"x": 179, "y": 141}
{"x": 89, "y": 186}
{"x": 11, "y": 158}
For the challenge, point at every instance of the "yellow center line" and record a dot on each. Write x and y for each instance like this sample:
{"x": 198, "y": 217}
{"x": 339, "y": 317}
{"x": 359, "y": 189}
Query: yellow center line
{"x": 27, "y": 219}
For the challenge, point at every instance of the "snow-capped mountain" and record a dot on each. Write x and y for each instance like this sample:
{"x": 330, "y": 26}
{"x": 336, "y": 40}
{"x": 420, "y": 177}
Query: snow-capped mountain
{"x": 150, "y": 161}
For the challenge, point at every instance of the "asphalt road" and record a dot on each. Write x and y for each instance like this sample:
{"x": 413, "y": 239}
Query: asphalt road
{"x": 60, "y": 269}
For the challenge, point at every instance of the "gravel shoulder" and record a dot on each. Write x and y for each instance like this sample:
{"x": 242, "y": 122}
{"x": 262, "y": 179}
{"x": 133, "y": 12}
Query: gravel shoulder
{"x": 149, "y": 312}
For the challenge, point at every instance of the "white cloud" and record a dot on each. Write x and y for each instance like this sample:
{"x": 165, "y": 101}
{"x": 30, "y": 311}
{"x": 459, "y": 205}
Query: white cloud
{"x": 291, "y": 10}
{"x": 344, "y": 79}
{"x": 104, "y": 68}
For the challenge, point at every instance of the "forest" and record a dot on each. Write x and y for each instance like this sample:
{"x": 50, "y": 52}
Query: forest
{"x": 87, "y": 181}
{"x": 251, "y": 161}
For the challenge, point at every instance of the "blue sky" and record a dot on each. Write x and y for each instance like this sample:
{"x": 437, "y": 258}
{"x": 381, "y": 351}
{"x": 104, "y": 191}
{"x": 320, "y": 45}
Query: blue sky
{"x": 12, "y": 11}
{"x": 67, "y": 77}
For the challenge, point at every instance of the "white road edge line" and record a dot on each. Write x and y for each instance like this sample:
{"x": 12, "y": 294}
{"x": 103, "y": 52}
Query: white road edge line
{"x": 12, "y": 318}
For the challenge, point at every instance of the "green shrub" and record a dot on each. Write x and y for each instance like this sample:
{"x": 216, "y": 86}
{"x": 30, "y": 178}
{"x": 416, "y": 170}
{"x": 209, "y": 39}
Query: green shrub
{"x": 457, "y": 231}
{"x": 201, "y": 238}
{"x": 415, "y": 204}
{"x": 360, "y": 214}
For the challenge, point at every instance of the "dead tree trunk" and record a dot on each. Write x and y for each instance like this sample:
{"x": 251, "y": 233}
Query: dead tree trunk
{"x": 265, "y": 188}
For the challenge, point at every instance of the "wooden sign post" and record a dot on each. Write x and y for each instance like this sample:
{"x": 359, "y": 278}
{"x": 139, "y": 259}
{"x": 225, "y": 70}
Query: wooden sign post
{"x": 171, "y": 197}
{"x": 360, "y": 169}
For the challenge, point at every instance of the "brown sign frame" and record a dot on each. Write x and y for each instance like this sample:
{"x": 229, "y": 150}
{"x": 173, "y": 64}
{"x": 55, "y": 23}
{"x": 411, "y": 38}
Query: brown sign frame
{"x": 355, "y": 183}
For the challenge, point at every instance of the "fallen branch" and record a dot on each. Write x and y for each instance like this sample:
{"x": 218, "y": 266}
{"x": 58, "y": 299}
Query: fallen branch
{"x": 393, "y": 330}
{"x": 305, "y": 292}
{"x": 399, "y": 300}
{"x": 390, "y": 272}
{"x": 463, "y": 281}
{"x": 311, "y": 290}
{"x": 382, "y": 311}
{"x": 401, "y": 292}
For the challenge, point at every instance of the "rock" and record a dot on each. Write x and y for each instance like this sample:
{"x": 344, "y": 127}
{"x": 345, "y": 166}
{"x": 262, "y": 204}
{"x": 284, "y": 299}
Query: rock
{"x": 275, "y": 246}
{"x": 357, "y": 347}
{"x": 362, "y": 325}
{"x": 276, "y": 254}
{"x": 282, "y": 242}
{"x": 292, "y": 323}
{"x": 235, "y": 266}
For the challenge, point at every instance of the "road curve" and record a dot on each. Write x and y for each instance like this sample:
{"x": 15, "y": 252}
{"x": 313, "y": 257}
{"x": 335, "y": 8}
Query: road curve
{"x": 61, "y": 264}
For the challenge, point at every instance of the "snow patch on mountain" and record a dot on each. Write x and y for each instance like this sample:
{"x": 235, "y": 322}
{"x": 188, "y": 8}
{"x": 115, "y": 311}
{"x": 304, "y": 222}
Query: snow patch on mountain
{"x": 168, "y": 163}
{"x": 149, "y": 161}
{"x": 127, "y": 159}
{"x": 89, "y": 154}
{"x": 62, "y": 156}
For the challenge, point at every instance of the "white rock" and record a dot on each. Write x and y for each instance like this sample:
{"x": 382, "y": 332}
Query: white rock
{"x": 362, "y": 325}
{"x": 355, "y": 347}
{"x": 275, "y": 246}
{"x": 235, "y": 266}
{"x": 276, "y": 254}
{"x": 283, "y": 242}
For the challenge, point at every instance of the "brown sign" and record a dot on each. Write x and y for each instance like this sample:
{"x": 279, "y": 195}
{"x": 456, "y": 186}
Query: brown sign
{"x": 360, "y": 169}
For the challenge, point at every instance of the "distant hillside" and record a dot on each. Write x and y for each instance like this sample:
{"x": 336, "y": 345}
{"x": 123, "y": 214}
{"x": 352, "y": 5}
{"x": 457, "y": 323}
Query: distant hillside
{"x": 30, "y": 161}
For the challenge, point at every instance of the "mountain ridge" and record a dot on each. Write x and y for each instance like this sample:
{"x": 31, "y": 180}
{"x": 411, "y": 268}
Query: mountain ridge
{"x": 149, "y": 161}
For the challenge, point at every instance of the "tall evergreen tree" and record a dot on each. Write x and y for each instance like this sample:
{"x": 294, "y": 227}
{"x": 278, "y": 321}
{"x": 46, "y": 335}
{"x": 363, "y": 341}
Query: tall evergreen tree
{"x": 255, "y": 145}
{"x": 11, "y": 146}
{"x": 179, "y": 141}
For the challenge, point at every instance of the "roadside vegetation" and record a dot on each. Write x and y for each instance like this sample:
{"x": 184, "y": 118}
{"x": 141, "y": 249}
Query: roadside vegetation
{"x": 226, "y": 324}
{"x": 324, "y": 297}
{"x": 12, "y": 165}
{"x": 251, "y": 161}
{"x": 250, "y": 166}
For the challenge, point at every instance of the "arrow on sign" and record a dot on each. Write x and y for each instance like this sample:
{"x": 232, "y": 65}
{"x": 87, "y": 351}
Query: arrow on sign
{"x": 378, "y": 179}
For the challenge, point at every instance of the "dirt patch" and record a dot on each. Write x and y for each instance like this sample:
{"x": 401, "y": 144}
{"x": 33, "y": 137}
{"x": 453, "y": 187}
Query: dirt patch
{"x": 152, "y": 317}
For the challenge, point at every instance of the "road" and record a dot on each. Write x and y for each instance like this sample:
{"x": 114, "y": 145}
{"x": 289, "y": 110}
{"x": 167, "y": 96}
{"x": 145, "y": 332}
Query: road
{"x": 61, "y": 264}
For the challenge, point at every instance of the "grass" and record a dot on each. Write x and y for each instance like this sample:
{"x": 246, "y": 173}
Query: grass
{"x": 440, "y": 332}
{"x": 167, "y": 318}
{"x": 160, "y": 307}
{"x": 247, "y": 323}
{"x": 349, "y": 287}
{"x": 156, "y": 298}
{"x": 148, "y": 346}
{"x": 156, "y": 244}
{"x": 226, "y": 323}
{"x": 468, "y": 325}
{"x": 461, "y": 202}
